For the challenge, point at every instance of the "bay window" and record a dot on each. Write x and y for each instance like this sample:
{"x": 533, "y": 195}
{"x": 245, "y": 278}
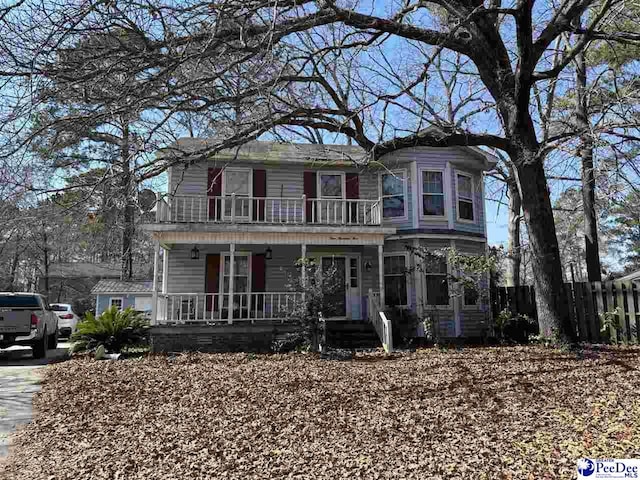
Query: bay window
{"x": 393, "y": 194}
{"x": 465, "y": 197}
{"x": 432, "y": 193}
{"x": 395, "y": 280}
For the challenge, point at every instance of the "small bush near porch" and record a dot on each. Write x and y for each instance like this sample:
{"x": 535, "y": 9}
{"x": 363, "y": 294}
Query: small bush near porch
{"x": 518, "y": 412}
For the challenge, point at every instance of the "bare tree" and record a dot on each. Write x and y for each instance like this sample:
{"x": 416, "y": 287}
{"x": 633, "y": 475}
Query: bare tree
{"x": 497, "y": 56}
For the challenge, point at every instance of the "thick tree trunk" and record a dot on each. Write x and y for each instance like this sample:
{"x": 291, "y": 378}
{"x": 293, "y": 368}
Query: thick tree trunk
{"x": 128, "y": 214}
{"x": 551, "y": 301}
{"x": 514, "y": 254}
{"x": 592, "y": 251}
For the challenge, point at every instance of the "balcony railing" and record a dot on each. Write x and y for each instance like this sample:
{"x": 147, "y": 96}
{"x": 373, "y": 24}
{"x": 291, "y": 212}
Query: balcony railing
{"x": 267, "y": 210}
{"x": 177, "y": 308}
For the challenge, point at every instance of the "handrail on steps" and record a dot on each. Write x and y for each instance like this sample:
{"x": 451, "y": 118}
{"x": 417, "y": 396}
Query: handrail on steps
{"x": 380, "y": 322}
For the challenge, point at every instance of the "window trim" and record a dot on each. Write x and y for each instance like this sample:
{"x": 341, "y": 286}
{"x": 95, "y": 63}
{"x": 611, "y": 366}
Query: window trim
{"x": 336, "y": 173}
{"x": 426, "y": 296}
{"x": 445, "y": 190}
{"x": 250, "y": 195}
{"x": 111, "y": 299}
{"x": 405, "y": 193}
{"x": 406, "y": 275}
{"x": 473, "y": 198}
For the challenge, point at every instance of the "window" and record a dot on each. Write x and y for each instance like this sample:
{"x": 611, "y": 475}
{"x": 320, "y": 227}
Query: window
{"x": 393, "y": 194}
{"x": 432, "y": 194}
{"x": 331, "y": 185}
{"x": 115, "y": 302}
{"x": 239, "y": 182}
{"x": 465, "y": 197}
{"x": 395, "y": 280}
{"x": 240, "y": 273}
{"x": 470, "y": 296}
{"x": 435, "y": 267}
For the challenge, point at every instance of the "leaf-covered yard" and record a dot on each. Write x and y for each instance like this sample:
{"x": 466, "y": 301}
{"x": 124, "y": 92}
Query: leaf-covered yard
{"x": 473, "y": 413}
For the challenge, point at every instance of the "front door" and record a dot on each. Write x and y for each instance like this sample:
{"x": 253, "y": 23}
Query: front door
{"x": 344, "y": 300}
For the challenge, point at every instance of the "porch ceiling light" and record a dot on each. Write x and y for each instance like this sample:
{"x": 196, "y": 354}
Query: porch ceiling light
{"x": 195, "y": 253}
{"x": 268, "y": 254}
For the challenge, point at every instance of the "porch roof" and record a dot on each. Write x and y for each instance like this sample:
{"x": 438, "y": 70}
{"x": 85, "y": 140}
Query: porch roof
{"x": 280, "y": 236}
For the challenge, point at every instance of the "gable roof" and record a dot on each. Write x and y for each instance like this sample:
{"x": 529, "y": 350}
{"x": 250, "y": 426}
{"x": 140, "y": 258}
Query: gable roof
{"x": 123, "y": 287}
{"x": 262, "y": 151}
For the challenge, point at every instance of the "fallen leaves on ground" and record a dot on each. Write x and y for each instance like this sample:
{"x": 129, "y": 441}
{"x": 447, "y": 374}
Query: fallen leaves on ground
{"x": 504, "y": 413}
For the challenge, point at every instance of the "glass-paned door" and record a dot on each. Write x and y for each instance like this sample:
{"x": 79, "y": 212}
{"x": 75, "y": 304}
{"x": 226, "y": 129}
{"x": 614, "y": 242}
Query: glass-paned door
{"x": 335, "y": 301}
{"x": 331, "y": 206}
{"x": 238, "y": 183}
{"x": 241, "y": 282}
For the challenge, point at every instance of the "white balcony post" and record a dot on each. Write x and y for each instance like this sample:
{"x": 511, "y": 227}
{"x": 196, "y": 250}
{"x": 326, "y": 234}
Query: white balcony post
{"x": 232, "y": 272}
{"x": 154, "y": 295}
{"x": 304, "y": 209}
{"x": 381, "y": 275}
{"x": 233, "y": 207}
{"x": 158, "y": 207}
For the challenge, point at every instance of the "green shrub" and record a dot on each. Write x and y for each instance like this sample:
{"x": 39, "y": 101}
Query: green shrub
{"x": 114, "y": 329}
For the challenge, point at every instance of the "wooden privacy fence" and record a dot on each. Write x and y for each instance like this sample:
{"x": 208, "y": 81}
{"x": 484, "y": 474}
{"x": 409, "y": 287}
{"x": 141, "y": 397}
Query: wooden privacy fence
{"x": 600, "y": 311}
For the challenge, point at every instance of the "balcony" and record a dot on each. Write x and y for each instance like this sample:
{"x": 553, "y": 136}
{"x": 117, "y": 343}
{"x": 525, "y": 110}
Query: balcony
{"x": 268, "y": 210}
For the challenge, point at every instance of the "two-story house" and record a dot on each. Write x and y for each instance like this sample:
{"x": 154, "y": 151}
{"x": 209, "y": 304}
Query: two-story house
{"x": 230, "y": 230}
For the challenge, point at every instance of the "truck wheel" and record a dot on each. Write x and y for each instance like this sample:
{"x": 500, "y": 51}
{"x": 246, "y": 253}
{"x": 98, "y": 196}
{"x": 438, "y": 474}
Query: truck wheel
{"x": 40, "y": 347}
{"x": 53, "y": 340}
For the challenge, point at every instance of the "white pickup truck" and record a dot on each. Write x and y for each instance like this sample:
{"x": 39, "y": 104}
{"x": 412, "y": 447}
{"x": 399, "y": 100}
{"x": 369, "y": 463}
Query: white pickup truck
{"x": 27, "y": 319}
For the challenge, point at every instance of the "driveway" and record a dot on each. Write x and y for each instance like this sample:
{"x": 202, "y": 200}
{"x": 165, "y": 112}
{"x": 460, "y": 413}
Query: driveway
{"x": 19, "y": 380}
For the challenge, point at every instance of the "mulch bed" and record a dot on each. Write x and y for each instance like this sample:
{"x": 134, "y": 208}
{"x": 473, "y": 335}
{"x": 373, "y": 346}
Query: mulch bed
{"x": 520, "y": 413}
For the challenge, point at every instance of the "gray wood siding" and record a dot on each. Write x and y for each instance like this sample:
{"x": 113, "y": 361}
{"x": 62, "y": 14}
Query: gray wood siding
{"x": 286, "y": 179}
{"x": 188, "y": 276}
{"x": 283, "y": 180}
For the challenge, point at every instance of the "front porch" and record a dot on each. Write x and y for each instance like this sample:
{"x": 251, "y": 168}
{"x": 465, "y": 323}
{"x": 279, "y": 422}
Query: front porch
{"x": 214, "y": 283}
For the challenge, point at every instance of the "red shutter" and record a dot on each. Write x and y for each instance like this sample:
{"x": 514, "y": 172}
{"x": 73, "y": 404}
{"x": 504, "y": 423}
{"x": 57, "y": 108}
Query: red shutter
{"x": 214, "y": 189}
{"x": 258, "y": 272}
{"x": 259, "y": 190}
{"x": 352, "y": 187}
{"x": 310, "y": 187}
{"x": 258, "y": 281}
{"x": 212, "y": 278}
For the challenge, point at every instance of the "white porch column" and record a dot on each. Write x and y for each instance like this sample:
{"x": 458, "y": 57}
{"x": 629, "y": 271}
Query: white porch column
{"x": 381, "y": 275}
{"x": 165, "y": 270}
{"x": 154, "y": 295}
{"x": 232, "y": 273}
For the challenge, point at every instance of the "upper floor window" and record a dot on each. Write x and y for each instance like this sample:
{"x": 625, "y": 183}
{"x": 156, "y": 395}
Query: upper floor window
{"x": 393, "y": 194}
{"x": 238, "y": 182}
{"x": 465, "y": 197}
{"x": 331, "y": 185}
{"x": 432, "y": 193}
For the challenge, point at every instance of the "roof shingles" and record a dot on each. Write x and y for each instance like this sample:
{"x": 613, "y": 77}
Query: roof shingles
{"x": 121, "y": 286}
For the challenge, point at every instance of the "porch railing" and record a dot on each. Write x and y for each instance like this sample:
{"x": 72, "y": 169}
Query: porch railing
{"x": 380, "y": 321}
{"x": 177, "y": 308}
{"x": 267, "y": 210}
